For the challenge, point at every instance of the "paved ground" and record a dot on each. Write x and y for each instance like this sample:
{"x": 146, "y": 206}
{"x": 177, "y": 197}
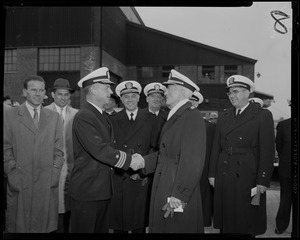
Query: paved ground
{"x": 273, "y": 198}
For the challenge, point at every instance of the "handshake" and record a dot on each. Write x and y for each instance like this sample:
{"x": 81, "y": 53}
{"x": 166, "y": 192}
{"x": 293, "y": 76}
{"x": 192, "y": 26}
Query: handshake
{"x": 137, "y": 162}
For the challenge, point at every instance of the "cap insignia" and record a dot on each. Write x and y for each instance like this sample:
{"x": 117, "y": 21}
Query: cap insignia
{"x": 128, "y": 85}
{"x": 231, "y": 80}
{"x": 157, "y": 87}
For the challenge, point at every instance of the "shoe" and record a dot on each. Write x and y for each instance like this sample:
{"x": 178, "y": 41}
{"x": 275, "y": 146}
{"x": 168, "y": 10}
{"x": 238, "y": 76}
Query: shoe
{"x": 278, "y": 232}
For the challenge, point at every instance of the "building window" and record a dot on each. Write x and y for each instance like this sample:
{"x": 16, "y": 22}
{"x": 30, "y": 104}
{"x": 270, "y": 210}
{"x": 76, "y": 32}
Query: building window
{"x": 10, "y": 60}
{"x": 208, "y": 72}
{"x": 230, "y": 70}
{"x": 166, "y": 71}
{"x": 147, "y": 72}
{"x": 59, "y": 59}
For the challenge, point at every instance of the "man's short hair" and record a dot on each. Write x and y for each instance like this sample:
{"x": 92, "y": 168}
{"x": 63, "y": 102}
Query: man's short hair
{"x": 32, "y": 78}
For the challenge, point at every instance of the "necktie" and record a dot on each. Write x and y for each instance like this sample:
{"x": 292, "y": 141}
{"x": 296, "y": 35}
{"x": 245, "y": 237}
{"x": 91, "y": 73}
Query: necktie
{"x": 238, "y": 112}
{"x": 131, "y": 117}
{"x": 36, "y": 118}
{"x": 61, "y": 114}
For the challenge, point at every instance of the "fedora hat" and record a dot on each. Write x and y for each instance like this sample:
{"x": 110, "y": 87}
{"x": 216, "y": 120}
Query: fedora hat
{"x": 61, "y": 83}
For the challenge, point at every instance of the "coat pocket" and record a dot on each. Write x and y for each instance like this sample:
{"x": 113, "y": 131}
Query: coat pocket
{"x": 14, "y": 180}
{"x": 55, "y": 176}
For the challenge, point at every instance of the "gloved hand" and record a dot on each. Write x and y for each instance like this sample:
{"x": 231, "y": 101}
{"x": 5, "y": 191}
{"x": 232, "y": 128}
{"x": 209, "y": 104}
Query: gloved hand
{"x": 169, "y": 210}
{"x": 135, "y": 177}
{"x": 256, "y": 199}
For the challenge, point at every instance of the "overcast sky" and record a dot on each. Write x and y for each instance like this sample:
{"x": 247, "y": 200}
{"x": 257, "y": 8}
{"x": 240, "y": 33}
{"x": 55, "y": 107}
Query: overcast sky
{"x": 247, "y": 31}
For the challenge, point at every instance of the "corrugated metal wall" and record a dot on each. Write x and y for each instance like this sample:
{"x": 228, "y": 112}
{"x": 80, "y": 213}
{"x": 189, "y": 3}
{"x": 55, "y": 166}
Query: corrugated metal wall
{"x": 114, "y": 32}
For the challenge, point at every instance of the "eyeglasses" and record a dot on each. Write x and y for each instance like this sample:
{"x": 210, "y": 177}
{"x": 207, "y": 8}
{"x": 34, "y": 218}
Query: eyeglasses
{"x": 234, "y": 92}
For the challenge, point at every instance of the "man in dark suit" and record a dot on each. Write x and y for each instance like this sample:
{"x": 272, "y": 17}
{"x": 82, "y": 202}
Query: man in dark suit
{"x": 134, "y": 132}
{"x": 155, "y": 96}
{"x": 283, "y": 147}
{"x": 94, "y": 157}
{"x": 241, "y": 163}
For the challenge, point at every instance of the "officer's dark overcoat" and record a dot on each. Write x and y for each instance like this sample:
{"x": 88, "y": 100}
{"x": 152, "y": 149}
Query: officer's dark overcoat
{"x": 131, "y": 198}
{"x": 242, "y": 157}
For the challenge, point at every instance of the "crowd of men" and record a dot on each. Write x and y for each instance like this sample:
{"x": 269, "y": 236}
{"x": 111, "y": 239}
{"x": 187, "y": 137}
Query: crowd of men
{"x": 165, "y": 167}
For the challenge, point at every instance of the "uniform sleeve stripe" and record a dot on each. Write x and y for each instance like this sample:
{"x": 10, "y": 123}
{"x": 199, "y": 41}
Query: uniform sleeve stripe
{"x": 122, "y": 159}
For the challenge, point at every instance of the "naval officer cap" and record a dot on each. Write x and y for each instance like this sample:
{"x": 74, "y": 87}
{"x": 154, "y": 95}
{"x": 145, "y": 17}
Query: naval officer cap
{"x": 129, "y": 86}
{"x": 179, "y": 79}
{"x": 100, "y": 75}
{"x": 257, "y": 101}
{"x": 197, "y": 96}
{"x": 154, "y": 87}
{"x": 240, "y": 81}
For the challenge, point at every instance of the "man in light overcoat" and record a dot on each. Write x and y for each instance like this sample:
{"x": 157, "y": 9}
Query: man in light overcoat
{"x": 33, "y": 158}
{"x": 61, "y": 93}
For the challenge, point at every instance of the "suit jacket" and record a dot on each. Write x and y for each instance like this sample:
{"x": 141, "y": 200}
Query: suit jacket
{"x": 283, "y": 147}
{"x": 94, "y": 156}
{"x": 68, "y": 155}
{"x": 33, "y": 158}
{"x": 250, "y": 139}
{"x": 178, "y": 168}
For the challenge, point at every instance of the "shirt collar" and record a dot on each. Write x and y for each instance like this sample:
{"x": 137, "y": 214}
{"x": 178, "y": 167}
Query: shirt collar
{"x": 99, "y": 109}
{"x": 58, "y": 108}
{"x": 242, "y": 109}
{"x": 134, "y": 113}
{"x": 30, "y": 109}
{"x": 176, "y": 107}
{"x": 156, "y": 113}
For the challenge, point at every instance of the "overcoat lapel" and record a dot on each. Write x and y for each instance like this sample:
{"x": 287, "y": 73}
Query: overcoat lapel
{"x": 103, "y": 118}
{"x": 173, "y": 119}
{"x": 122, "y": 121}
{"x": 26, "y": 119}
{"x": 44, "y": 118}
{"x": 247, "y": 115}
{"x": 138, "y": 123}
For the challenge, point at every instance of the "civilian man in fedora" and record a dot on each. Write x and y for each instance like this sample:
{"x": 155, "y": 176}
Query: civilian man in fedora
{"x": 61, "y": 93}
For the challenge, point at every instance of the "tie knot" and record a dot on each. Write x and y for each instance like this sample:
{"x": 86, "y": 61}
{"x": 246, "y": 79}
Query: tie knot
{"x": 131, "y": 116}
{"x": 35, "y": 109}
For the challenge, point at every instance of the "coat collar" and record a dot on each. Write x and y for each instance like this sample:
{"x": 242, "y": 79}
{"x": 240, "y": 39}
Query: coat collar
{"x": 174, "y": 117}
{"x": 26, "y": 119}
{"x": 134, "y": 128}
{"x": 103, "y": 117}
{"x": 248, "y": 114}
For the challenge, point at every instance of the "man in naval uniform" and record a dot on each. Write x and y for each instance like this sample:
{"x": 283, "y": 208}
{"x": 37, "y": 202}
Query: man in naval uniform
{"x": 94, "y": 157}
{"x": 241, "y": 163}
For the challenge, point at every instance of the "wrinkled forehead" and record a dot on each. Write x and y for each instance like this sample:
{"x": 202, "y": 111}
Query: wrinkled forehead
{"x": 35, "y": 83}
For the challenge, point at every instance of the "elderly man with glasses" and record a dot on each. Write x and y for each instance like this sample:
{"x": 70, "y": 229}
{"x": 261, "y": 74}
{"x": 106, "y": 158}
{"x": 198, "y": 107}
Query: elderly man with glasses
{"x": 241, "y": 163}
